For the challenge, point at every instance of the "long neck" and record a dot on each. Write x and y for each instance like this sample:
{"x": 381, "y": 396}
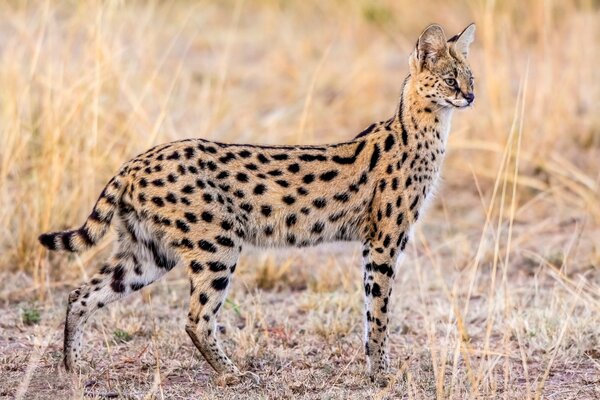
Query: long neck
{"x": 420, "y": 117}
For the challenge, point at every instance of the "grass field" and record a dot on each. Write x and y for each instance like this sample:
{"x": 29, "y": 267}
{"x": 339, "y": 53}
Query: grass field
{"x": 499, "y": 295}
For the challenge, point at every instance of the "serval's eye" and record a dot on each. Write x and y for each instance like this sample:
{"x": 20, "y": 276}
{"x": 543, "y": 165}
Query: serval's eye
{"x": 450, "y": 81}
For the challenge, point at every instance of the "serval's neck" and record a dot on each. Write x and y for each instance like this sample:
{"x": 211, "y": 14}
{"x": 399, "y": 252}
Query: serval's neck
{"x": 422, "y": 119}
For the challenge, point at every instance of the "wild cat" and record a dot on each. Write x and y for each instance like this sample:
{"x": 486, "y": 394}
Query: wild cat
{"x": 195, "y": 203}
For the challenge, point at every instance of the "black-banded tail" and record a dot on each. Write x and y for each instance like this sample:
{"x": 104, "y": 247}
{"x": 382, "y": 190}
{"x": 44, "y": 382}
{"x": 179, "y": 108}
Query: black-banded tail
{"x": 96, "y": 225}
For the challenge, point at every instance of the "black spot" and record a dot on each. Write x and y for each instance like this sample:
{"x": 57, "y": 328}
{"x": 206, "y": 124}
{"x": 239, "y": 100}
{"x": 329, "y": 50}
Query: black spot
{"x": 289, "y": 200}
{"x": 280, "y": 157}
{"x": 244, "y": 154}
{"x": 282, "y": 183}
{"x": 312, "y": 157}
{"x": 246, "y": 207}
{"x": 206, "y": 216}
{"x": 227, "y": 157}
{"x": 158, "y": 182}
{"x": 189, "y": 152}
{"x": 259, "y": 189}
{"x": 207, "y": 246}
{"x": 223, "y": 175}
{"x": 216, "y": 266}
{"x": 291, "y": 239}
{"x": 251, "y": 167}
{"x": 320, "y": 202}
{"x": 226, "y": 225}
{"x": 294, "y": 168}
{"x": 188, "y": 189}
{"x": 308, "y": 178}
{"x": 268, "y": 230}
{"x": 203, "y": 298}
{"x": 191, "y": 217}
{"x": 241, "y": 177}
{"x": 414, "y": 203}
{"x": 275, "y": 172}
{"x": 207, "y": 198}
{"x": 136, "y": 286}
{"x": 173, "y": 156}
{"x": 400, "y": 218}
{"x": 263, "y": 159}
{"x": 171, "y": 198}
{"x": 376, "y": 290}
{"x": 266, "y": 210}
{"x": 196, "y": 266}
{"x": 220, "y": 283}
{"x": 182, "y": 226}
{"x": 301, "y": 191}
{"x": 342, "y": 197}
{"x": 224, "y": 241}
{"x": 389, "y": 142}
{"x": 291, "y": 220}
{"x": 329, "y": 175}
{"x": 317, "y": 227}
{"x": 158, "y": 201}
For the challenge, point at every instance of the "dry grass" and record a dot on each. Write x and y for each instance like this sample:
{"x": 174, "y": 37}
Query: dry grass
{"x": 499, "y": 296}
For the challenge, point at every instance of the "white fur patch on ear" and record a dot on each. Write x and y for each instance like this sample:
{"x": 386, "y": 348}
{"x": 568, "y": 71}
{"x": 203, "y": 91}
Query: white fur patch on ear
{"x": 431, "y": 44}
{"x": 463, "y": 40}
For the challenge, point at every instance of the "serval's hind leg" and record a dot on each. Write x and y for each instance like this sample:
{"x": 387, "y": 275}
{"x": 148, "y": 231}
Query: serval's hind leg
{"x": 210, "y": 269}
{"x": 134, "y": 264}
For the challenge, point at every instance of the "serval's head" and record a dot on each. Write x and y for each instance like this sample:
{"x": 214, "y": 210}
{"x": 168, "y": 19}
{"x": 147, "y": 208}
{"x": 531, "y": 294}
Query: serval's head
{"x": 439, "y": 67}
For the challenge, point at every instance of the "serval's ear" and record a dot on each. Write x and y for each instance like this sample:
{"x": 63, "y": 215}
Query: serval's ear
{"x": 430, "y": 47}
{"x": 463, "y": 40}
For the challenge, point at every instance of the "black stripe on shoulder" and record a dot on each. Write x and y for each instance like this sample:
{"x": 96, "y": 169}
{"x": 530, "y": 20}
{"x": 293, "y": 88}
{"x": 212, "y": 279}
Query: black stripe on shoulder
{"x": 370, "y": 129}
{"x": 374, "y": 157}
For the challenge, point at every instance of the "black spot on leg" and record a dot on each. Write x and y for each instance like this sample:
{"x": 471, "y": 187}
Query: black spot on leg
{"x": 376, "y": 291}
{"x": 203, "y": 298}
{"x": 117, "y": 279}
{"x": 216, "y": 266}
{"x": 220, "y": 283}
{"x": 196, "y": 266}
{"x": 207, "y": 246}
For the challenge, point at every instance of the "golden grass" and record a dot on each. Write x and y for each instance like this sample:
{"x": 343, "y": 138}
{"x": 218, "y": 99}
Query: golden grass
{"x": 499, "y": 296}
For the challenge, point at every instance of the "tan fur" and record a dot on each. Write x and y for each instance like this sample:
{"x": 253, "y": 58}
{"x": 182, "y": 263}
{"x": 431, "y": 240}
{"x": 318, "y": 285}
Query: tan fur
{"x": 195, "y": 203}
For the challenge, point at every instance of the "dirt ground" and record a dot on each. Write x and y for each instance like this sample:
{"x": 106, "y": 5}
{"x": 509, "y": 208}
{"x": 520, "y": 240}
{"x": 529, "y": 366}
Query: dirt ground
{"x": 499, "y": 293}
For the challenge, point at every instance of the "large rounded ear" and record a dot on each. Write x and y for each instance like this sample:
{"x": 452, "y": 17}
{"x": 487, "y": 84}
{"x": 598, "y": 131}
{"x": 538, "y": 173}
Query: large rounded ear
{"x": 430, "y": 46}
{"x": 463, "y": 40}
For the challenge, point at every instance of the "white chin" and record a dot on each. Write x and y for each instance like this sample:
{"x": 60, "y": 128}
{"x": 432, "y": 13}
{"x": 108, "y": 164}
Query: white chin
{"x": 458, "y": 103}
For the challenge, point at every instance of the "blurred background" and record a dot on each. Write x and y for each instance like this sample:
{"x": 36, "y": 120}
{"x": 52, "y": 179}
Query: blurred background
{"x": 499, "y": 295}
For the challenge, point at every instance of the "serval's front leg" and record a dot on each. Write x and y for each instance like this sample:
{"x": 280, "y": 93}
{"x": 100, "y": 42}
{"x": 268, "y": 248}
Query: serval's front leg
{"x": 379, "y": 259}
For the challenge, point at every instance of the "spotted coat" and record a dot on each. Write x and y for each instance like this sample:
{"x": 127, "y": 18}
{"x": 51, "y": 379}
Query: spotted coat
{"x": 195, "y": 203}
